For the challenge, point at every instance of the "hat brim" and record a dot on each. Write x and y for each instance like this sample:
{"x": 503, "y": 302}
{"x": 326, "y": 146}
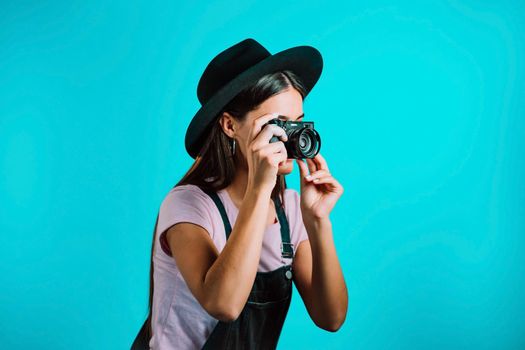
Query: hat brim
{"x": 305, "y": 61}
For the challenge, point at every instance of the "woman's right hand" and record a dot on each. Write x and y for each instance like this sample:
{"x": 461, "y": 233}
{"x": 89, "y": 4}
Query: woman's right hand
{"x": 262, "y": 156}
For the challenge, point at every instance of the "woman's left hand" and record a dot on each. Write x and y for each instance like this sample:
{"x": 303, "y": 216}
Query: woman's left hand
{"x": 320, "y": 191}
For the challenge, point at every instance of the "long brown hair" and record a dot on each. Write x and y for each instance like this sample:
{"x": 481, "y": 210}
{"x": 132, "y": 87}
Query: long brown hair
{"x": 214, "y": 166}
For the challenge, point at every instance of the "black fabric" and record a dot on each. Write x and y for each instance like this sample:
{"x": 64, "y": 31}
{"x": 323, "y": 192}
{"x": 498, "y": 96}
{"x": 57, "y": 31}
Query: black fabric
{"x": 260, "y": 323}
{"x": 286, "y": 245}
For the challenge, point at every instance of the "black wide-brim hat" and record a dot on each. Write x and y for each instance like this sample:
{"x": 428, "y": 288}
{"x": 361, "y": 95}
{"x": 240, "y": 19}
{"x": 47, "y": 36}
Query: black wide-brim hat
{"x": 235, "y": 69}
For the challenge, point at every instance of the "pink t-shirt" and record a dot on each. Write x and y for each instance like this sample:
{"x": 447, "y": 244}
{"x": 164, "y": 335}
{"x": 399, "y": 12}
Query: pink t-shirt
{"x": 178, "y": 320}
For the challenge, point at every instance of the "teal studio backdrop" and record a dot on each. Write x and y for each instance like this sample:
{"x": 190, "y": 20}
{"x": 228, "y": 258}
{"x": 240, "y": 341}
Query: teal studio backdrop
{"x": 421, "y": 108}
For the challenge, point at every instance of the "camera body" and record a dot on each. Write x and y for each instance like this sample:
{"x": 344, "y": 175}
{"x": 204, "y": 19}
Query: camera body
{"x": 303, "y": 140}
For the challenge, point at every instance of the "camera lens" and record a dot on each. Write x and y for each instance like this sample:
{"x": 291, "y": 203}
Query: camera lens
{"x": 306, "y": 142}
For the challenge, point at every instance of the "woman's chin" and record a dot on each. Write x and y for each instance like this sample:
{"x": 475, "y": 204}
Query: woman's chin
{"x": 285, "y": 168}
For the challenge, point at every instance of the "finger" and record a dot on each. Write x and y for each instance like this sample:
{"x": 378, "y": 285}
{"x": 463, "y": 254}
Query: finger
{"x": 267, "y": 133}
{"x": 303, "y": 168}
{"x": 274, "y": 147}
{"x": 278, "y": 158}
{"x": 330, "y": 181}
{"x": 303, "y": 172}
{"x": 327, "y": 180}
{"x": 323, "y": 179}
{"x": 318, "y": 174}
{"x": 311, "y": 165}
{"x": 320, "y": 161}
{"x": 258, "y": 124}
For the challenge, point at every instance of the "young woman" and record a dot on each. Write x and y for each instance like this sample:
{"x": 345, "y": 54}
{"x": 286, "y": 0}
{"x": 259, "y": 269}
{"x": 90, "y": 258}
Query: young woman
{"x": 230, "y": 237}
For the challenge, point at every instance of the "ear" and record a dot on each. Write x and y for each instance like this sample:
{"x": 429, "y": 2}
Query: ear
{"x": 228, "y": 124}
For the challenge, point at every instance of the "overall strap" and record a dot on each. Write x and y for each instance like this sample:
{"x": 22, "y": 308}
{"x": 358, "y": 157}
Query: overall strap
{"x": 286, "y": 245}
{"x": 220, "y": 206}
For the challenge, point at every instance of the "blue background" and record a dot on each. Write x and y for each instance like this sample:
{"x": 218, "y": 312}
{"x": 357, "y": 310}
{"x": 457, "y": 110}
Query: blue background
{"x": 421, "y": 108}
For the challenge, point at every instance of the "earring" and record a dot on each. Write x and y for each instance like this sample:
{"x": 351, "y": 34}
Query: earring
{"x": 233, "y": 146}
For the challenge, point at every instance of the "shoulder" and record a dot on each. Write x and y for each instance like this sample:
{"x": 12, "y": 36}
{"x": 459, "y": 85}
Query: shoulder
{"x": 187, "y": 189}
{"x": 190, "y": 199}
{"x": 186, "y": 194}
{"x": 187, "y": 203}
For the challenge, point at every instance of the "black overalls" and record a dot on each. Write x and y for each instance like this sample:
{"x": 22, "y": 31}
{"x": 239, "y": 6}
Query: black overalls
{"x": 260, "y": 323}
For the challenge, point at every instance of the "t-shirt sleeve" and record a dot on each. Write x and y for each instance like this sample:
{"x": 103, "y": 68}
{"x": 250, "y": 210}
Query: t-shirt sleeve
{"x": 184, "y": 204}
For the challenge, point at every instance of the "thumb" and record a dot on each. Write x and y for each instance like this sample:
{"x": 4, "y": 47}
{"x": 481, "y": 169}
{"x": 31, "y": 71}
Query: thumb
{"x": 303, "y": 169}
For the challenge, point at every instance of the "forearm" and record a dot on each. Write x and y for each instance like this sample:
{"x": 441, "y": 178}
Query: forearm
{"x": 230, "y": 279}
{"x": 329, "y": 292}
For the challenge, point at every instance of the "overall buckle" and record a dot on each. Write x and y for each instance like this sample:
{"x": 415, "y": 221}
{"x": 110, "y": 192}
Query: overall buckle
{"x": 287, "y": 253}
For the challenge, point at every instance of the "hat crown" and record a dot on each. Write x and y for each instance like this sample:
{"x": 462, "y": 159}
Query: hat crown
{"x": 227, "y": 65}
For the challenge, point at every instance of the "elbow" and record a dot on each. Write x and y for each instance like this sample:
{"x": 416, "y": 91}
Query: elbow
{"x": 333, "y": 327}
{"x": 333, "y": 324}
{"x": 225, "y": 312}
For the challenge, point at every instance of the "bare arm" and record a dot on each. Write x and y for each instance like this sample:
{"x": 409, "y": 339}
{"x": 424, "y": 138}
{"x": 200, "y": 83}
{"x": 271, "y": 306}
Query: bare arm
{"x": 222, "y": 282}
{"x": 319, "y": 278}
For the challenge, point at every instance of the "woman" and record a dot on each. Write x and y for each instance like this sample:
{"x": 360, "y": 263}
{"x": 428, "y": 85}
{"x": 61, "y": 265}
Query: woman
{"x": 230, "y": 237}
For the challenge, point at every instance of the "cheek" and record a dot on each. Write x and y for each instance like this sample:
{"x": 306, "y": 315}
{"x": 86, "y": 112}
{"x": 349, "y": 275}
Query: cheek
{"x": 242, "y": 137}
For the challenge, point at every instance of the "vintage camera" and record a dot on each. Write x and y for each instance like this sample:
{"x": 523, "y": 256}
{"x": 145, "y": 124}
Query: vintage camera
{"x": 303, "y": 140}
